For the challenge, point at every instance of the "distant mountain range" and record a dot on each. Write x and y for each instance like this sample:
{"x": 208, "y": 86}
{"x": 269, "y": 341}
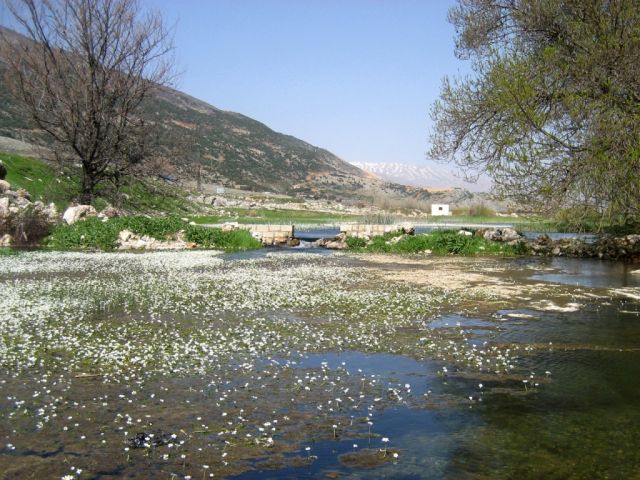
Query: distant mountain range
{"x": 432, "y": 176}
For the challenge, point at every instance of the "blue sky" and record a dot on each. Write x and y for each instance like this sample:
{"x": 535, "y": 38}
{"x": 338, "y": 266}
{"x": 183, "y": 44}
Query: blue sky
{"x": 354, "y": 76}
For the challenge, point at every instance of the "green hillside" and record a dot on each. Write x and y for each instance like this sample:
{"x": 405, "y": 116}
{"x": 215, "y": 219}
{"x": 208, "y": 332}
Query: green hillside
{"x": 44, "y": 183}
{"x": 199, "y": 141}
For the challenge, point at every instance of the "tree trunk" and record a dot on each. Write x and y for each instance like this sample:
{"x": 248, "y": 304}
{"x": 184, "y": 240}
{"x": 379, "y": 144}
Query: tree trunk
{"x": 88, "y": 186}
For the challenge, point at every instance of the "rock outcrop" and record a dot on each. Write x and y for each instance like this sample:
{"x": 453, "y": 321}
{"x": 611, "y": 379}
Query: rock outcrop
{"x": 130, "y": 241}
{"x": 506, "y": 234}
{"x": 607, "y": 247}
{"x": 109, "y": 212}
{"x": 23, "y": 222}
{"x": 337, "y": 243}
{"x": 79, "y": 212}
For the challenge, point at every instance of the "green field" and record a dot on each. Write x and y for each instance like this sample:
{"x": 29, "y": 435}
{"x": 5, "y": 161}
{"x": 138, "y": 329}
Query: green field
{"x": 283, "y": 216}
{"x": 531, "y": 224}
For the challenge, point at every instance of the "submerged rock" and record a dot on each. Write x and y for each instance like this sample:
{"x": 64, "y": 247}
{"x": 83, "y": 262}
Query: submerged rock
{"x": 369, "y": 458}
{"x": 148, "y": 440}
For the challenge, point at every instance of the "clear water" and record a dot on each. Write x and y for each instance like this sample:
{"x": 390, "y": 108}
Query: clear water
{"x": 576, "y": 416}
{"x": 570, "y": 408}
{"x": 588, "y": 272}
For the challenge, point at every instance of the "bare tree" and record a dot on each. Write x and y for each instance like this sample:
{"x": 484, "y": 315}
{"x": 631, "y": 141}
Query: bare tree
{"x": 83, "y": 72}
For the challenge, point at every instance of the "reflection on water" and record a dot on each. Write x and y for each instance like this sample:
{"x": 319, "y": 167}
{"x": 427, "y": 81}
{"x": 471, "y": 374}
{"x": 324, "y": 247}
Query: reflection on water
{"x": 311, "y": 234}
{"x": 588, "y": 273}
{"x": 576, "y": 417}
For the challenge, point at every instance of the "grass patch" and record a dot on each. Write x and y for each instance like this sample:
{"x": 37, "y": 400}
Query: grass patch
{"x": 47, "y": 184}
{"x": 154, "y": 196}
{"x": 8, "y": 252}
{"x": 235, "y": 240}
{"x": 39, "y": 179}
{"x": 443, "y": 242}
{"x": 94, "y": 234}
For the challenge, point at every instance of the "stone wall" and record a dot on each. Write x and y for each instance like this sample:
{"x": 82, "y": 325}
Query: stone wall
{"x": 270, "y": 234}
{"x": 361, "y": 230}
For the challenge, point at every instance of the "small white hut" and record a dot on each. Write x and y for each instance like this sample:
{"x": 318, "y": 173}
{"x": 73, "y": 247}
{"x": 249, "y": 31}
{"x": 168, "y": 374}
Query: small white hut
{"x": 440, "y": 209}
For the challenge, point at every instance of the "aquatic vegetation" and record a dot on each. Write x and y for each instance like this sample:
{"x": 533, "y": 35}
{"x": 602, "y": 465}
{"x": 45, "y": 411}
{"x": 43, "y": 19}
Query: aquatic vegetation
{"x": 187, "y": 364}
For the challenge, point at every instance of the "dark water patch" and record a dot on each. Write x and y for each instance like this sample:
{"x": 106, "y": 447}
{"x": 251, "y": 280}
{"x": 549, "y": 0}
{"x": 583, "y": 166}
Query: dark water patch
{"x": 459, "y": 322}
{"x": 614, "y": 325}
{"x": 313, "y": 234}
{"x": 587, "y": 273}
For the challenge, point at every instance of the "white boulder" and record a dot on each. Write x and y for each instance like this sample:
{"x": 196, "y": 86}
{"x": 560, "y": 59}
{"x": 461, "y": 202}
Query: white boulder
{"x": 6, "y": 240}
{"x": 4, "y": 186}
{"x": 79, "y": 212}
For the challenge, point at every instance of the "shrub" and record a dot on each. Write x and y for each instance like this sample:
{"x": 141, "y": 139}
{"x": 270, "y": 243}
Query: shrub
{"x": 481, "y": 210}
{"x": 215, "y": 238}
{"x": 442, "y": 242}
{"x": 91, "y": 233}
{"x": 354, "y": 243}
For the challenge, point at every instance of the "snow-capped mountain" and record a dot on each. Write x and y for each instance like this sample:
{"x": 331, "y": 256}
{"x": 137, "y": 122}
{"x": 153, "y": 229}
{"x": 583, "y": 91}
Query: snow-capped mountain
{"x": 427, "y": 176}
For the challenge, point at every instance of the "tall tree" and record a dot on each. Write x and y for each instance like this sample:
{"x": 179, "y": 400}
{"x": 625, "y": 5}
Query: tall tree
{"x": 83, "y": 72}
{"x": 552, "y": 110}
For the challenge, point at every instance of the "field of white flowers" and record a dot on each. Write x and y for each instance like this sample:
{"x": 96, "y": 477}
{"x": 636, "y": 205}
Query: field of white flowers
{"x": 184, "y": 365}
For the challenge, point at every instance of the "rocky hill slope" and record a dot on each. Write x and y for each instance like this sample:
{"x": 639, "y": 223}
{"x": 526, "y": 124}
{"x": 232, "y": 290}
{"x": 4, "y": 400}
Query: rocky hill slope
{"x": 201, "y": 143}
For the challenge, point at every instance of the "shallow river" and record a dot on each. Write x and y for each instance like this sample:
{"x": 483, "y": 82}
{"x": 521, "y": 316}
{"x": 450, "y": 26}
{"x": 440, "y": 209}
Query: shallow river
{"x": 566, "y": 404}
{"x": 582, "y": 420}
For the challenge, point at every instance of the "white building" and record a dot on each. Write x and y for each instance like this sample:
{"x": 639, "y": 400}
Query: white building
{"x": 440, "y": 209}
